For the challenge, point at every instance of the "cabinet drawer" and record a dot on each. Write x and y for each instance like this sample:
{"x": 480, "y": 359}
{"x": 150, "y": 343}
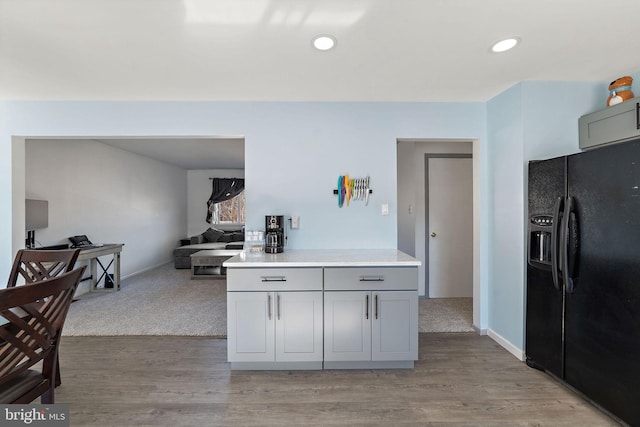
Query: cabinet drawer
{"x": 274, "y": 279}
{"x": 371, "y": 278}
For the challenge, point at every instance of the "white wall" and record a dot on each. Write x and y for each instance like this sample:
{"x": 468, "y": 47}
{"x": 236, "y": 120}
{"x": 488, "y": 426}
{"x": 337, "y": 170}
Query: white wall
{"x": 109, "y": 194}
{"x": 406, "y": 198}
{"x": 199, "y": 191}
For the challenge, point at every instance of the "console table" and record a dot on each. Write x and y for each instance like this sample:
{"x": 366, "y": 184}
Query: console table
{"x": 92, "y": 253}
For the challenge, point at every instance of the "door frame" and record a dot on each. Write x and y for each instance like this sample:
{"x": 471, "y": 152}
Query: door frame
{"x": 408, "y": 225}
{"x": 428, "y": 156}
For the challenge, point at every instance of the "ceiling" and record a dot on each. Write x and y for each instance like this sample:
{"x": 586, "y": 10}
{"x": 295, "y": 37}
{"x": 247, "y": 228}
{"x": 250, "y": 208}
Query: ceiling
{"x": 186, "y": 153}
{"x": 260, "y": 50}
{"x": 388, "y": 50}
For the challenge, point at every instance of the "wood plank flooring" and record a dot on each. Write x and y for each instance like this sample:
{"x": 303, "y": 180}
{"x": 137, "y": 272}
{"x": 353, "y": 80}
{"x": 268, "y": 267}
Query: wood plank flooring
{"x": 461, "y": 379}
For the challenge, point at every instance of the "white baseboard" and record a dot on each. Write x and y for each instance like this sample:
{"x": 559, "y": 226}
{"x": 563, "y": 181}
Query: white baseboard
{"x": 85, "y": 286}
{"x": 503, "y": 342}
{"x": 480, "y": 331}
{"x": 146, "y": 269}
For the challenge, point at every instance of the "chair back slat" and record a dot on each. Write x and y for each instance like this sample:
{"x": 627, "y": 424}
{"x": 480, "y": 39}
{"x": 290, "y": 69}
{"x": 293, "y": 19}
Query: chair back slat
{"x": 24, "y": 330}
{"x": 36, "y": 265}
{"x": 31, "y": 320}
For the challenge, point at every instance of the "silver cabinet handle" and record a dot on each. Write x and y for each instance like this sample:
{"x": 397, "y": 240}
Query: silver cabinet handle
{"x": 278, "y": 308}
{"x": 269, "y": 305}
{"x": 372, "y": 278}
{"x": 273, "y": 278}
{"x": 366, "y": 306}
{"x": 376, "y": 301}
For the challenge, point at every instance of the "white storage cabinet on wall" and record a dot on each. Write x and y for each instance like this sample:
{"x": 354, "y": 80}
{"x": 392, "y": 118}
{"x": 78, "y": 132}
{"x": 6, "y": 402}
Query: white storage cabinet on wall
{"x": 274, "y": 315}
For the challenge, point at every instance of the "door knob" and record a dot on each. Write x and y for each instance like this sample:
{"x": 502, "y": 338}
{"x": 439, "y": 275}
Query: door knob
{"x": 433, "y": 234}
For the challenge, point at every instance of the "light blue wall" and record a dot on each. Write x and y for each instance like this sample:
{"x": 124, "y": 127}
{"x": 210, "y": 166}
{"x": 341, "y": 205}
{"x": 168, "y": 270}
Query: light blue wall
{"x": 505, "y": 133}
{"x": 550, "y": 116}
{"x": 531, "y": 120}
{"x": 294, "y": 153}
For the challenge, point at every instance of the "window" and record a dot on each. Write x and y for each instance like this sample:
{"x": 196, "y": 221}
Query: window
{"x": 229, "y": 211}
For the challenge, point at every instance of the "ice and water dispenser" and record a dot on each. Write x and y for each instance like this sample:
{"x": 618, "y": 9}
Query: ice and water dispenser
{"x": 540, "y": 240}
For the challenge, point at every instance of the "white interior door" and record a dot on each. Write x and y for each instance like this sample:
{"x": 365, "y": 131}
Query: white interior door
{"x": 450, "y": 227}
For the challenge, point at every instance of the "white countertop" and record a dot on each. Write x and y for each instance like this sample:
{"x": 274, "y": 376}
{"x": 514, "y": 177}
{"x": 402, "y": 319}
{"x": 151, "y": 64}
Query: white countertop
{"x": 325, "y": 258}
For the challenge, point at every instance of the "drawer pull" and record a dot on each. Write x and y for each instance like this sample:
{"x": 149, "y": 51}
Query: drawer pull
{"x": 273, "y": 278}
{"x": 372, "y": 278}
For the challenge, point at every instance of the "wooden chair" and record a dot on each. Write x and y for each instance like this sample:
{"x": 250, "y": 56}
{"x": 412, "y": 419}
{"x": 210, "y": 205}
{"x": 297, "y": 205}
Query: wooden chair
{"x": 36, "y": 265}
{"x": 31, "y": 321}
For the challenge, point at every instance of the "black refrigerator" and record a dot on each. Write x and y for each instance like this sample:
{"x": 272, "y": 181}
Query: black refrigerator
{"x": 583, "y": 274}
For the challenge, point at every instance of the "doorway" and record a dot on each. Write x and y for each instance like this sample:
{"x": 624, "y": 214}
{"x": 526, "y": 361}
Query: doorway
{"x": 122, "y": 189}
{"x": 413, "y": 231}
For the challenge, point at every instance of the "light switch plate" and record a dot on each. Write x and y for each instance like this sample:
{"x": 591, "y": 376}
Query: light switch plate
{"x": 385, "y": 209}
{"x": 295, "y": 222}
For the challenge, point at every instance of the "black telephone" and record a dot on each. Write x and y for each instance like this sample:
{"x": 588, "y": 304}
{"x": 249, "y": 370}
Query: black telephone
{"x": 80, "y": 241}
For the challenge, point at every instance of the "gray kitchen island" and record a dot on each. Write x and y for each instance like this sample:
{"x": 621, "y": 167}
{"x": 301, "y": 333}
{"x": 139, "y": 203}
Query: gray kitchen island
{"x": 322, "y": 309}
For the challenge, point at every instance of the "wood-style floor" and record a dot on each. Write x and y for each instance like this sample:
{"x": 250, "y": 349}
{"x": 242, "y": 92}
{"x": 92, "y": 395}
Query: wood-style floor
{"x": 461, "y": 379}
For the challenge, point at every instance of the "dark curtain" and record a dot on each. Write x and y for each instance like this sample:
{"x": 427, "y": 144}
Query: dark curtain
{"x": 223, "y": 189}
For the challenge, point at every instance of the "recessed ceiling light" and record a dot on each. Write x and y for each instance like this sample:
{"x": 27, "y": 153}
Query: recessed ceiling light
{"x": 324, "y": 42}
{"x": 504, "y": 45}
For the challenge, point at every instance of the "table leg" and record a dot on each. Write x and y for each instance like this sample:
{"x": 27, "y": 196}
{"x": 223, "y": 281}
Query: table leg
{"x": 116, "y": 270}
{"x": 94, "y": 273}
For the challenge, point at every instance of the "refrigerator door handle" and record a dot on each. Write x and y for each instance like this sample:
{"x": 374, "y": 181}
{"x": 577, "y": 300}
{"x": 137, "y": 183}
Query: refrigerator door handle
{"x": 566, "y": 245}
{"x": 573, "y": 242}
{"x": 555, "y": 262}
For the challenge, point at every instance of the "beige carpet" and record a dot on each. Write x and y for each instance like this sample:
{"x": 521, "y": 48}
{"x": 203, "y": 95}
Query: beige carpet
{"x": 165, "y": 301}
{"x": 446, "y": 315}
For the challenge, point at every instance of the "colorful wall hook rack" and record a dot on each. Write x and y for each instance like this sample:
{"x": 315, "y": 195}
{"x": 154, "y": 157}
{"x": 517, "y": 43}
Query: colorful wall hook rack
{"x": 352, "y": 189}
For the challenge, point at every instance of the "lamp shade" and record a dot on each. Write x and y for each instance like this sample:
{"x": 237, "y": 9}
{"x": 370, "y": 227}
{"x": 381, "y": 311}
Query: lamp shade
{"x": 36, "y": 214}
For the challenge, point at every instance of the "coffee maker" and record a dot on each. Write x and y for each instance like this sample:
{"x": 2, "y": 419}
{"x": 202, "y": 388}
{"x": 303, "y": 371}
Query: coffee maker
{"x": 274, "y": 235}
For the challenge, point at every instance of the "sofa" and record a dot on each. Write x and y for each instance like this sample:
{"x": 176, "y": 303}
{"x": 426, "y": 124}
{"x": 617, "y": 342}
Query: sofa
{"x": 218, "y": 237}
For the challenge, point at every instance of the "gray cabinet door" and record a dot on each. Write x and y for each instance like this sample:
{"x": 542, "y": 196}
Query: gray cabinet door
{"x": 612, "y": 124}
{"x": 395, "y": 325}
{"x": 250, "y": 327}
{"x": 298, "y": 326}
{"x": 347, "y": 326}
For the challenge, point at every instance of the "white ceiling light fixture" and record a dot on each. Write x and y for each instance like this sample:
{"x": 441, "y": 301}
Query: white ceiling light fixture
{"x": 505, "y": 45}
{"x": 324, "y": 42}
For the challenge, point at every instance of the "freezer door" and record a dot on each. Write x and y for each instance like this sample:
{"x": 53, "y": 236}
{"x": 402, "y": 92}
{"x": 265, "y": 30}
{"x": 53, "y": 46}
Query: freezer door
{"x": 602, "y": 319}
{"x": 543, "y": 341}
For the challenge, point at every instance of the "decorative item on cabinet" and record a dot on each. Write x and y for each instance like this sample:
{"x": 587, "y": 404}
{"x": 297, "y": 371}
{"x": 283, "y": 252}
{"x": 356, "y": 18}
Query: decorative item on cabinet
{"x": 352, "y": 189}
{"x": 620, "y": 90}
{"x": 254, "y": 242}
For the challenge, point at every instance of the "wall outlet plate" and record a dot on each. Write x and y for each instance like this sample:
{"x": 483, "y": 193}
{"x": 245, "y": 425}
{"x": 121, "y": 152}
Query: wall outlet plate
{"x": 295, "y": 222}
